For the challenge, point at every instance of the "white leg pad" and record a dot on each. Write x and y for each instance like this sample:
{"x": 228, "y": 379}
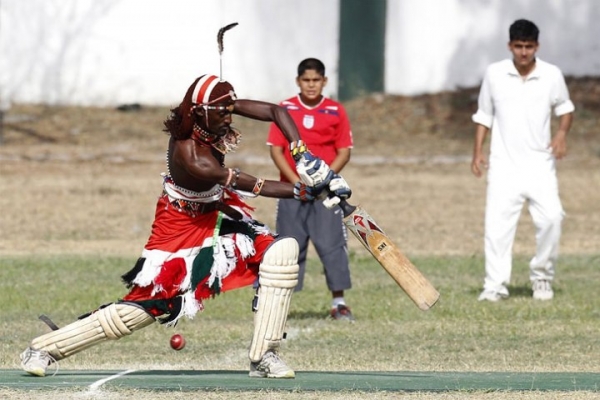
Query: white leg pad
{"x": 278, "y": 276}
{"x": 109, "y": 323}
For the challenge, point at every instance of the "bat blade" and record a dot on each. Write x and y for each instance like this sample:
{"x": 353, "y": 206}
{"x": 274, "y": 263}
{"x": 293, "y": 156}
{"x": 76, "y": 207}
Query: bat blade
{"x": 397, "y": 265}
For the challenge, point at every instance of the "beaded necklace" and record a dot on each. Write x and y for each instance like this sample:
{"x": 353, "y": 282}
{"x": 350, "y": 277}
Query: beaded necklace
{"x": 223, "y": 144}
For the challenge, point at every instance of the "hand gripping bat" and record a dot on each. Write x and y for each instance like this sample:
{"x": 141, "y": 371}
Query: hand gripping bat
{"x": 406, "y": 275}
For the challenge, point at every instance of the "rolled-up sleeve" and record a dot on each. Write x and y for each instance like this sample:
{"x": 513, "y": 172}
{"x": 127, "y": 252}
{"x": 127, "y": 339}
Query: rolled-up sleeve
{"x": 561, "y": 101}
{"x": 485, "y": 106}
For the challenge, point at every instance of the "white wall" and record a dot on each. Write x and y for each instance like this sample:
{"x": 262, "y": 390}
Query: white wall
{"x": 109, "y": 52}
{"x": 102, "y": 52}
{"x": 435, "y": 45}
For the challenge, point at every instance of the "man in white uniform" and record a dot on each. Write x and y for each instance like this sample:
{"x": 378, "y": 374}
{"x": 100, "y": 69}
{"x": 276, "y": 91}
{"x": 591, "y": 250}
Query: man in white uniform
{"x": 516, "y": 101}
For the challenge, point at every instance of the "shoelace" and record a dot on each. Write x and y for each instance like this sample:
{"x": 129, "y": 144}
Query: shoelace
{"x": 55, "y": 362}
{"x": 269, "y": 356}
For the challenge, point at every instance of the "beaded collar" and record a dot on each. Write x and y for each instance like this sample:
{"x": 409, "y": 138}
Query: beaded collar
{"x": 223, "y": 144}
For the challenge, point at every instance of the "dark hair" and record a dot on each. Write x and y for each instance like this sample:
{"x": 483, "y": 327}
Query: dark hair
{"x": 524, "y": 30}
{"x": 311, "y": 63}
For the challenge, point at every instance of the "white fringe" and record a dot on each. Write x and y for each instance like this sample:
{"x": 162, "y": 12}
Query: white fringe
{"x": 224, "y": 262}
{"x": 245, "y": 245}
{"x": 156, "y": 258}
{"x": 149, "y": 271}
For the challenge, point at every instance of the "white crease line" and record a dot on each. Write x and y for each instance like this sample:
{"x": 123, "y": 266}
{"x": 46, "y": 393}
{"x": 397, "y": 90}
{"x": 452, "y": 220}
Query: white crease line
{"x": 101, "y": 382}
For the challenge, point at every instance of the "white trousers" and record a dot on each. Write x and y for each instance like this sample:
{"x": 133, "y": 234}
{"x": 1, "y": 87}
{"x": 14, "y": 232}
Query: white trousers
{"x": 506, "y": 194}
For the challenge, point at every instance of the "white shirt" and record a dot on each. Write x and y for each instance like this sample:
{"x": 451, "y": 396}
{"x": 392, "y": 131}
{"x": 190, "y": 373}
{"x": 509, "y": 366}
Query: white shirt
{"x": 518, "y": 111}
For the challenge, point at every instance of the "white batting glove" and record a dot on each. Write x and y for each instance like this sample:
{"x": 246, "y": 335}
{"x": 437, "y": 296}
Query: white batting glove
{"x": 339, "y": 187}
{"x": 313, "y": 171}
{"x": 338, "y": 190}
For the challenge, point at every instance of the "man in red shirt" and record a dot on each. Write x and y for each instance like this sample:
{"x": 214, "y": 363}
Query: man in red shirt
{"x": 324, "y": 127}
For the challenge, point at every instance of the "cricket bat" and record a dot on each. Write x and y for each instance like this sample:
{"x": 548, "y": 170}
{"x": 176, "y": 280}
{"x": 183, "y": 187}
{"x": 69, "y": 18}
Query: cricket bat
{"x": 397, "y": 265}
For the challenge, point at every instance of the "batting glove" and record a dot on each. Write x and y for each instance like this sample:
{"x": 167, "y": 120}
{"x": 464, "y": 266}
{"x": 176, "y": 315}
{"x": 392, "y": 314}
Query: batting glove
{"x": 312, "y": 170}
{"x": 339, "y": 187}
{"x": 338, "y": 190}
{"x": 304, "y": 193}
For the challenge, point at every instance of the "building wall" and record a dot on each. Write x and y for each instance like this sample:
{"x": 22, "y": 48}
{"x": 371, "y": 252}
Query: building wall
{"x": 109, "y": 52}
{"x": 437, "y": 45}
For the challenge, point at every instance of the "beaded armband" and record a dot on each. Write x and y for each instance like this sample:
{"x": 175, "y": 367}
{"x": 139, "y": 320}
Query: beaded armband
{"x": 258, "y": 186}
{"x": 297, "y": 149}
{"x": 234, "y": 179}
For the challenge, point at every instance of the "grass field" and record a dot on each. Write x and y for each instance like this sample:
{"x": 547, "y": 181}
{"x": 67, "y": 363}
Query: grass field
{"x": 78, "y": 191}
{"x": 390, "y": 334}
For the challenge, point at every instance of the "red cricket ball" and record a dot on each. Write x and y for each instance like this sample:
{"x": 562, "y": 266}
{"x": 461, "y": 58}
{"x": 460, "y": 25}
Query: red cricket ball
{"x": 177, "y": 342}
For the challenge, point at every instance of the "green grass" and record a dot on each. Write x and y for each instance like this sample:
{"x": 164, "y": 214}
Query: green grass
{"x": 390, "y": 334}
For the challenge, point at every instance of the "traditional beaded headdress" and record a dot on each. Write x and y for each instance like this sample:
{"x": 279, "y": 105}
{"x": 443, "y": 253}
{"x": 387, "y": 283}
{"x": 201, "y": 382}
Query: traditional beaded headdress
{"x": 210, "y": 91}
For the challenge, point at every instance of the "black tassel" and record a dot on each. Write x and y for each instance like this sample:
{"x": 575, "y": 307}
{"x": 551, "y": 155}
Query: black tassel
{"x": 128, "y": 277}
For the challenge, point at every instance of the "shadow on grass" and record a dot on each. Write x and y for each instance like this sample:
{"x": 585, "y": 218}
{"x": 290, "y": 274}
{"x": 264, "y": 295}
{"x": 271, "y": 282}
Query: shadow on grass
{"x": 521, "y": 290}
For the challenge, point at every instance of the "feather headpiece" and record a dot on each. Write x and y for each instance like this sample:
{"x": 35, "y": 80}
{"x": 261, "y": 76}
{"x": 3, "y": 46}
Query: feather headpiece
{"x": 220, "y": 35}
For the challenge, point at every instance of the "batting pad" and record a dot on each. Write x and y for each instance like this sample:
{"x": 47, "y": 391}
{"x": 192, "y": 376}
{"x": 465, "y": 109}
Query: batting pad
{"x": 109, "y": 323}
{"x": 278, "y": 276}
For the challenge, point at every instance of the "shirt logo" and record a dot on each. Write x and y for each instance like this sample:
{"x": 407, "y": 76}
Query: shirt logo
{"x": 308, "y": 121}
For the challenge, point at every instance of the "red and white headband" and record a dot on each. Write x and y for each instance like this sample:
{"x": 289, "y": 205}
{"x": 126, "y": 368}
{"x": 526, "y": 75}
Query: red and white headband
{"x": 204, "y": 88}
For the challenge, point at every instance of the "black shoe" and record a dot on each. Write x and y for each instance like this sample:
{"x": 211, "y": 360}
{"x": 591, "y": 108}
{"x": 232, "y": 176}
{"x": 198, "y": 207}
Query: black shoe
{"x": 342, "y": 312}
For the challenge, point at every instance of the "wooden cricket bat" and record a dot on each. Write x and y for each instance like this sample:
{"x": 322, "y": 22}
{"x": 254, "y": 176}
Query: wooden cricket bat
{"x": 406, "y": 275}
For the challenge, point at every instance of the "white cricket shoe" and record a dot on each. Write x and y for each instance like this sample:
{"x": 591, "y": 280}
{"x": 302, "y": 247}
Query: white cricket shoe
{"x": 271, "y": 366}
{"x": 35, "y": 362}
{"x": 491, "y": 295}
{"x": 542, "y": 290}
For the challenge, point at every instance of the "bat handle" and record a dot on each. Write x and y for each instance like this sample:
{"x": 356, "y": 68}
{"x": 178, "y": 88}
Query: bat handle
{"x": 346, "y": 207}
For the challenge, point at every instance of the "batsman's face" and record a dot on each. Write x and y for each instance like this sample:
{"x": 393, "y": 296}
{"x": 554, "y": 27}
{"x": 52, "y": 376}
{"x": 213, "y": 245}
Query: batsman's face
{"x": 523, "y": 52}
{"x": 218, "y": 117}
{"x": 311, "y": 85}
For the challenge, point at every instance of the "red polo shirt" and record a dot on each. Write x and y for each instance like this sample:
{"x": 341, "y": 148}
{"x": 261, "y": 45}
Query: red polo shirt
{"x": 324, "y": 128}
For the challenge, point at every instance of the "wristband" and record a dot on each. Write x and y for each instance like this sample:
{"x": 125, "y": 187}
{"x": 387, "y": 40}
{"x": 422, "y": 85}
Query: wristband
{"x": 297, "y": 149}
{"x": 236, "y": 175}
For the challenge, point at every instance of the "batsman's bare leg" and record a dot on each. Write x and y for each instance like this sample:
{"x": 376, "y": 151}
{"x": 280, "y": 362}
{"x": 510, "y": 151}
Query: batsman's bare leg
{"x": 278, "y": 276}
{"x": 108, "y": 323}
